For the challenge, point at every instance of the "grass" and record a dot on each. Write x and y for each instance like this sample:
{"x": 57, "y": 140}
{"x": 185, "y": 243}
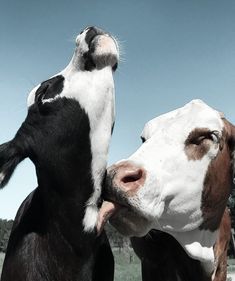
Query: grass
{"x": 127, "y": 265}
{"x": 1, "y": 261}
{"x": 231, "y": 269}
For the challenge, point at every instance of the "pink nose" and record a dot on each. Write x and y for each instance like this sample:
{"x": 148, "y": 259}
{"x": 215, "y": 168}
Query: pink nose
{"x": 128, "y": 176}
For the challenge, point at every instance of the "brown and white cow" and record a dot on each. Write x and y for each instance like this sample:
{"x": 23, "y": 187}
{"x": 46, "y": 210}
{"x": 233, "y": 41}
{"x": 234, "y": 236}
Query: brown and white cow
{"x": 176, "y": 186}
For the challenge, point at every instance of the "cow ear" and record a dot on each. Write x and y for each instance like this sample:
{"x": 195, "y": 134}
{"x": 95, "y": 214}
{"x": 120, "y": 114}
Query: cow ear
{"x": 10, "y": 157}
{"x": 40, "y": 95}
{"x": 47, "y": 91}
{"x": 233, "y": 151}
{"x": 230, "y": 128}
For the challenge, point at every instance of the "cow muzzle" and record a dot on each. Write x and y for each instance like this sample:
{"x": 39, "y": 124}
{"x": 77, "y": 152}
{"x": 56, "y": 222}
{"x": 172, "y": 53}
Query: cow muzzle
{"x": 98, "y": 49}
{"x": 126, "y": 177}
{"x": 122, "y": 182}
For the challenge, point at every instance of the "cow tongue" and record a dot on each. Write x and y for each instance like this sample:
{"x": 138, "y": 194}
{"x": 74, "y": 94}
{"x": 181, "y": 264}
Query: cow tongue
{"x": 107, "y": 210}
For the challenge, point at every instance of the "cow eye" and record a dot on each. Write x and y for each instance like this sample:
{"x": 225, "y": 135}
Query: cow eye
{"x": 204, "y": 137}
{"x": 143, "y": 139}
{"x": 213, "y": 136}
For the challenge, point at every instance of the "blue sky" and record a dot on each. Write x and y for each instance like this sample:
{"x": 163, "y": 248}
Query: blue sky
{"x": 172, "y": 52}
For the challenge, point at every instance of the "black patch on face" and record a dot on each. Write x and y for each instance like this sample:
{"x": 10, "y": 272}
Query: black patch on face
{"x": 115, "y": 67}
{"x": 89, "y": 63}
{"x": 91, "y": 34}
{"x": 112, "y": 128}
{"x": 49, "y": 88}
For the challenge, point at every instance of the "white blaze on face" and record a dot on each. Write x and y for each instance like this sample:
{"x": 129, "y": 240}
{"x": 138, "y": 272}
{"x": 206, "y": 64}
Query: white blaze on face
{"x": 171, "y": 195}
{"x": 94, "y": 90}
{"x": 173, "y": 180}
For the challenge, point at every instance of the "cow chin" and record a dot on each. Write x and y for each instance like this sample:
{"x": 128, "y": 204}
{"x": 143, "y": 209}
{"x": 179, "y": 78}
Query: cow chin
{"x": 128, "y": 223}
{"x": 105, "y": 52}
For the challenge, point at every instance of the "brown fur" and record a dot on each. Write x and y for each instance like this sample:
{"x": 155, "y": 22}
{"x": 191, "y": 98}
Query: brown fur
{"x": 217, "y": 187}
{"x": 221, "y": 247}
{"x": 218, "y": 182}
{"x": 197, "y": 144}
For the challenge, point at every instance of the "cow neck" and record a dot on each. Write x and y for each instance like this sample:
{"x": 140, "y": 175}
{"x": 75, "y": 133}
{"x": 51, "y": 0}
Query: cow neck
{"x": 163, "y": 257}
{"x": 64, "y": 198}
{"x": 59, "y": 146}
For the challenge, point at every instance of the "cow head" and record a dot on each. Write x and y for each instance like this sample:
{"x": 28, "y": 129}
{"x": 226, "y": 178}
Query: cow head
{"x": 178, "y": 181}
{"x": 69, "y": 123}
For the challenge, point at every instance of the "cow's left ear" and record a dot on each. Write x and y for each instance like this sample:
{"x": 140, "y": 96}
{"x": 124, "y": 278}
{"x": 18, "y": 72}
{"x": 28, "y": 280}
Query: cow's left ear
{"x": 230, "y": 134}
{"x": 233, "y": 150}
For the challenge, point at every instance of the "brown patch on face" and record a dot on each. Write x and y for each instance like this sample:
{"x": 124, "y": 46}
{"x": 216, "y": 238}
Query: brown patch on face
{"x": 218, "y": 182}
{"x": 198, "y": 143}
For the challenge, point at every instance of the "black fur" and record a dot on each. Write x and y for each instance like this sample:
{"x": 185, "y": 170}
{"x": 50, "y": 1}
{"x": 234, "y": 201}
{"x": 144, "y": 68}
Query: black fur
{"x": 100, "y": 61}
{"x": 164, "y": 259}
{"x": 91, "y": 34}
{"x": 10, "y": 157}
{"x": 47, "y": 241}
{"x": 49, "y": 88}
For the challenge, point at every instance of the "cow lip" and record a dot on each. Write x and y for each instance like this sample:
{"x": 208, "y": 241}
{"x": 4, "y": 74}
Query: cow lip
{"x": 106, "y": 211}
{"x": 112, "y": 198}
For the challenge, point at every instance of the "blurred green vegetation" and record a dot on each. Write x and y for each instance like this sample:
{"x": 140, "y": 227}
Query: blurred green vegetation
{"x": 5, "y": 230}
{"x": 127, "y": 265}
{"x": 2, "y": 255}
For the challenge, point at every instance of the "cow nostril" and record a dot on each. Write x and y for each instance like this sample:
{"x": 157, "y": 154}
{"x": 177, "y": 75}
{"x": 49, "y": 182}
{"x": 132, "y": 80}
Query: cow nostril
{"x": 91, "y": 34}
{"x": 132, "y": 177}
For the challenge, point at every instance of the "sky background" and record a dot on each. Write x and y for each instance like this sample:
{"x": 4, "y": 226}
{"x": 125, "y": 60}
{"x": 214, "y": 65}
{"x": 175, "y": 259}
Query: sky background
{"x": 172, "y": 52}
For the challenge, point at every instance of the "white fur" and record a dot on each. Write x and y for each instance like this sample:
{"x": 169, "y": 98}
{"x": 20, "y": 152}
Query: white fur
{"x": 95, "y": 93}
{"x": 109, "y": 44}
{"x": 31, "y": 96}
{"x": 90, "y": 218}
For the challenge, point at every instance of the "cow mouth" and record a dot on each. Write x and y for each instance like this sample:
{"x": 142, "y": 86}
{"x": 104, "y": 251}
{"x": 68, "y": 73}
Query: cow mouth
{"x": 110, "y": 209}
{"x": 117, "y": 209}
{"x": 107, "y": 210}
{"x": 125, "y": 219}
{"x": 103, "y": 51}
{"x": 119, "y": 213}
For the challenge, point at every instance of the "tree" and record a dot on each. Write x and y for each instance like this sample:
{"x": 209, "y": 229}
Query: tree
{"x": 5, "y": 230}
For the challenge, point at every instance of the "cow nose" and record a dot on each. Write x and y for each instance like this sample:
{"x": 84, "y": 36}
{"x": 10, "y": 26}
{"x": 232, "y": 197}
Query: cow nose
{"x": 92, "y": 32}
{"x": 128, "y": 177}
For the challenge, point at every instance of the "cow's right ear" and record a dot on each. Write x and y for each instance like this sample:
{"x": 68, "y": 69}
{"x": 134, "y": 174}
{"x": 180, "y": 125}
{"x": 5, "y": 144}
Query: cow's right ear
{"x": 47, "y": 91}
{"x": 10, "y": 157}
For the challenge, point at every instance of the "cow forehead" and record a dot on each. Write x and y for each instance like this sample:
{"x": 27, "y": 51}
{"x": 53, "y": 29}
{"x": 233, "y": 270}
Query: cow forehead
{"x": 195, "y": 114}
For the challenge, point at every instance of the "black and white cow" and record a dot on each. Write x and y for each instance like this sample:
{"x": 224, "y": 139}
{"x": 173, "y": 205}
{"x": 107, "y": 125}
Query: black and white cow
{"x": 66, "y": 134}
{"x": 176, "y": 186}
